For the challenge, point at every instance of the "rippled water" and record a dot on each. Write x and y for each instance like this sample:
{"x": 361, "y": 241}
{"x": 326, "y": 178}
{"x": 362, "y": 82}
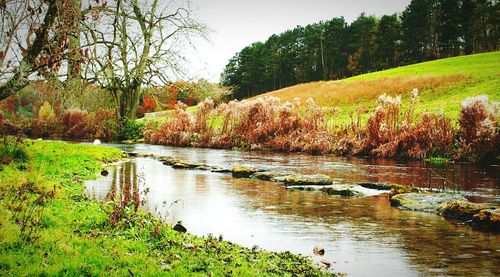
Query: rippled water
{"x": 361, "y": 236}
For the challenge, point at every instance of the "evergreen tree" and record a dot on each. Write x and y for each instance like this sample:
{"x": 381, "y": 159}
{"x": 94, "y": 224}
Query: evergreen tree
{"x": 334, "y": 49}
{"x": 448, "y": 28}
{"x": 388, "y": 40}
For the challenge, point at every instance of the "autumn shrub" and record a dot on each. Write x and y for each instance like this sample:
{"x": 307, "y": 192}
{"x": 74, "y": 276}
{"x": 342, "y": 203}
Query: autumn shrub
{"x": 175, "y": 132}
{"x": 382, "y": 124}
{"x": 104, "y": 125}
{"x": 148, "y": 104}
{"x": 431, "y": 136}
{"x": 479, "y": 129}
{"x": 203, "y": 122}
{"x": 46, "y": 113}
{"x": 267, "y": 124}
{"x": 391, "y": 132}
{"x": 259, "y": 124}
{"x": 76, "y": 124}
{"x": 256, "y": 122}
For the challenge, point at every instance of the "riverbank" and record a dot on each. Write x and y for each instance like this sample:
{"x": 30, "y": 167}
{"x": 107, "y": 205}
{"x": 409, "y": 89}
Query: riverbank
{"x": 49, "y": 227}
{"x": 393, "y": 129}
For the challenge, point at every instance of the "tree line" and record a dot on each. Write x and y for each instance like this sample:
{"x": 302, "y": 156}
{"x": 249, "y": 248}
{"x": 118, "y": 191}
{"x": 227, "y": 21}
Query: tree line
{"x": 334, "y": 49}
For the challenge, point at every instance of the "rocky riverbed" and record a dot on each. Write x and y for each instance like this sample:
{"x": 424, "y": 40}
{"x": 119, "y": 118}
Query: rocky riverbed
{"x": 449, "y": 205}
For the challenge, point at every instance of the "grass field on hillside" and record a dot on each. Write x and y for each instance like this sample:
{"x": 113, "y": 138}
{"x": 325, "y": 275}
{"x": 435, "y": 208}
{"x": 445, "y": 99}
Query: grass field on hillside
{"x": 443, "y": 85}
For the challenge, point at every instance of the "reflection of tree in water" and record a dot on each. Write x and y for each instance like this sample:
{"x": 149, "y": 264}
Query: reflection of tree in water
{"x": 125, "y": 186}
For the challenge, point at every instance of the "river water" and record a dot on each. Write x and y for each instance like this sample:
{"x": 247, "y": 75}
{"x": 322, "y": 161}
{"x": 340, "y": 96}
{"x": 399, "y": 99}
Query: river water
{"x": 361, "y": 236}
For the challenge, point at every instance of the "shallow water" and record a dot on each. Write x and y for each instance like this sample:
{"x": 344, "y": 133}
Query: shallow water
{"x": 361, "y": 236}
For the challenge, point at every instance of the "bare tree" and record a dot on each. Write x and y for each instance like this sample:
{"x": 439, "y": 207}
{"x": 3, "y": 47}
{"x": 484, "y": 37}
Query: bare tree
{"x": 34, "y": 38}
{"x": 25, "y": 29}
{"x": 136, "y": 44}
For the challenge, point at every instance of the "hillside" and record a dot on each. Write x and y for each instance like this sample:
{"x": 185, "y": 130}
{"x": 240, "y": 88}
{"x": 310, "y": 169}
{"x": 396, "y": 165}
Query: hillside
{"x": 443, "y": 84}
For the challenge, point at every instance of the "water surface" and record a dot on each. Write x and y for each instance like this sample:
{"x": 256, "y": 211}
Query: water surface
{"x": 361, "y": 236}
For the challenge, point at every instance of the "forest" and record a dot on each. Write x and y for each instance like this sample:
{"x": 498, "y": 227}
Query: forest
{"x": 336, "y": 49}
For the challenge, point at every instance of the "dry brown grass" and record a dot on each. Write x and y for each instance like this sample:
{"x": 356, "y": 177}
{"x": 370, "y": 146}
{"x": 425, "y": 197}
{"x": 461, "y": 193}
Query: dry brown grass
{"x": 392, "y": 129}
{"x": 349, "y": 92}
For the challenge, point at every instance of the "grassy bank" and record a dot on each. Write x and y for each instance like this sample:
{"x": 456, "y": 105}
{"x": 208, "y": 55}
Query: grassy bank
{"x": 443, "y": 85}
{"x": 48, "y": 227}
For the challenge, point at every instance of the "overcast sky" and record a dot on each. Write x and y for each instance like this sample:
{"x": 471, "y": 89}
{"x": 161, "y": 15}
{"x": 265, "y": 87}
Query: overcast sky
{"x": 238, "y": 23}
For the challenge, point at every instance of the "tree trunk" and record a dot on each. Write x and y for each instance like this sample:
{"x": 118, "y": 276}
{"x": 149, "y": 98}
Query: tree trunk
{"x": 20, "y": 78}
{"x": 128, "y": 102}
{"x": 74, "y": 46}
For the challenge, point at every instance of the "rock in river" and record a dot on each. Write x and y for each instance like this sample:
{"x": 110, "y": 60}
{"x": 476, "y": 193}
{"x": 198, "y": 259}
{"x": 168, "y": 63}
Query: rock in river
{"x": 487, "y": 220}
{"x": 178, "y": 164}
{"x": 424, "y": 202}
{"x": 243, "y": 172}
{"x": 399, "y": 189}
{"x": 269, "y": 175}
{"x": 377, "y": 186}
{"x": 220, "y": 170}
{"x": 464, "y": 210}
{"x": 350, "y": 190}
{"x": 344, "y": 190}
{"x": 319, "y": 250}
{"x": 307, "y": 180}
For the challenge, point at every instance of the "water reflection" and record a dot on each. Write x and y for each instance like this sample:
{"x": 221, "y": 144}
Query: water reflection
{"x": 361, "y": 236}
{"x": 481, "y": 183}
{"x": 121, "y": 186}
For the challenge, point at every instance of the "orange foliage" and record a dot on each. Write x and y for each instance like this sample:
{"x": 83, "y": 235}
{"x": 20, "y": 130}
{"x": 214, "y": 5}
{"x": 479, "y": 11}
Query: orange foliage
{"x": 104, "y": 124}
{"x": 148, "y": 104}
{"x": 258, "y": 124}
{"x": 265, "y": 123}
{"x": 76, "y": 124}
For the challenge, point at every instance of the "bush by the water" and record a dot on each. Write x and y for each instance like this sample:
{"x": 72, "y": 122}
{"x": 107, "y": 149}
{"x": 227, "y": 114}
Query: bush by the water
{"x": 391, "y": 131}
{"x": 260, "y": 124}
{"x": 479, "y": 128}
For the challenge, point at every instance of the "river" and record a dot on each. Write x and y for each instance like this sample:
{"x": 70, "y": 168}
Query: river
{"x": 361, "y": 236}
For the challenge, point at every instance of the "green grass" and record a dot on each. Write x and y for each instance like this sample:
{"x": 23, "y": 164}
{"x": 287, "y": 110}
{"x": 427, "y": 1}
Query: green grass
{"x": 162, "y": 116}
{"x": 76, "y": 236}
{"x": 443, "y": 85}
{"x": 484, "y": 64}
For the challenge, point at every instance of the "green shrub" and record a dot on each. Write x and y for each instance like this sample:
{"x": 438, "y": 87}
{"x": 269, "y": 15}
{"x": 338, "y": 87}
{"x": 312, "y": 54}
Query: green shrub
{"x": 131, "y": 129}
{"x": 12, "y": 150}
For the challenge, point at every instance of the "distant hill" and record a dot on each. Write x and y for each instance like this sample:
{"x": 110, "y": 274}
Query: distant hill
{"x": 443, "y": 85}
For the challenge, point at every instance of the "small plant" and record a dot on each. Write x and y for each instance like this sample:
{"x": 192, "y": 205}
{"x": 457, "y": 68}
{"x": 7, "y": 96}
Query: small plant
{"x": 46, "y": 113}
{"x": 479, "y": 129}
{"x": 26, "y": 198}
{"x": 12, "y": 150}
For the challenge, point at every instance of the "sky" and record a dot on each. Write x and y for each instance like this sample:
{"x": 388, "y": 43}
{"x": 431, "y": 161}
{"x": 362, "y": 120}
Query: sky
{"x": 237, "y": 23}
